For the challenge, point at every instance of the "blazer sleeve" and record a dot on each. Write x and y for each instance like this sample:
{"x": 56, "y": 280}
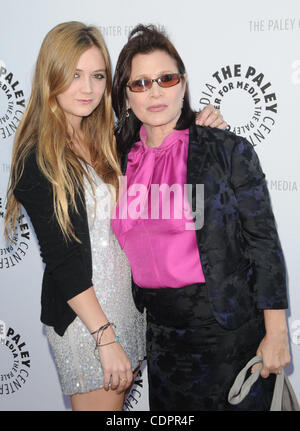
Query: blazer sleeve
{"x": 259, "y": 227}
{"x": 65, "y": 260}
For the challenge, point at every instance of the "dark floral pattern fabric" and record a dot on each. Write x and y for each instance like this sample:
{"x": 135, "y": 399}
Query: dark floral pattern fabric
{"x": 240, "y": 251}
{"x": 191, "y": 360}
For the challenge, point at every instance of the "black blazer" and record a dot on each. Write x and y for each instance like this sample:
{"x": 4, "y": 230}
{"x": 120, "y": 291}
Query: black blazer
{"x": 238, "y": 243}
{"x": 68, "y": 265}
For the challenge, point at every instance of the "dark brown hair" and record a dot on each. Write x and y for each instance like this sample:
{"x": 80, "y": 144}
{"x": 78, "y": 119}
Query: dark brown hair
{"x": 142, "y": 40}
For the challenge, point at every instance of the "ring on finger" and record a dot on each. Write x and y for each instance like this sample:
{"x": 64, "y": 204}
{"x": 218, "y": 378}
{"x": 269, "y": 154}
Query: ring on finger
{"x": 123, "y": 379}
{"x": 216, "y": 112}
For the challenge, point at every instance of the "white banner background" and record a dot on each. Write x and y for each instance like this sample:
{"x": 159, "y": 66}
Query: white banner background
{"x": 235, "y": 54}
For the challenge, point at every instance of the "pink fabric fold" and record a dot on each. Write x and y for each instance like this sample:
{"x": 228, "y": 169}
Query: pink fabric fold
{"x": 153, "y": 212}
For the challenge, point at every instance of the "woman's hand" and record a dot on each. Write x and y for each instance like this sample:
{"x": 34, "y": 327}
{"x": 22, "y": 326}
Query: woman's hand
{"x": 209, "y": 116}
{"x": 274, "y": 350}
{"x": 115, "y": 364}
{"x": 274, "y": 347}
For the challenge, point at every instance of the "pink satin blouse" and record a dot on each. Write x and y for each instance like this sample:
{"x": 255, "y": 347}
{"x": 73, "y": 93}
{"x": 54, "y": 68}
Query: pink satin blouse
{"x": 153, "y": 214}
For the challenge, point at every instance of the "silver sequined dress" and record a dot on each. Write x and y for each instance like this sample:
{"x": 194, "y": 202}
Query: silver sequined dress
{"x": 78, "y": 368}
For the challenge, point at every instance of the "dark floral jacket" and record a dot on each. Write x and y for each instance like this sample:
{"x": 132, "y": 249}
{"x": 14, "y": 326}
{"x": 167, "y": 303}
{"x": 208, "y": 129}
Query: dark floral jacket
{"x": 240, "y": 251}
{"x": 238, "y": 244}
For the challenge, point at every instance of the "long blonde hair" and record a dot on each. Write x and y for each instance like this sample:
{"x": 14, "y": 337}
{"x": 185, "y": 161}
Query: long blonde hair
{"x": 44, "y": 125}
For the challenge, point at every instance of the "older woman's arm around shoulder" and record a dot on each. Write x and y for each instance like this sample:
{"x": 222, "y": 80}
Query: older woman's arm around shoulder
{"x": 209, "y": 116}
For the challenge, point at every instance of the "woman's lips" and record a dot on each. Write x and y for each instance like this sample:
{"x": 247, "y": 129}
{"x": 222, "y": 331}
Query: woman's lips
{"x": 157, "y": 108}
{"x": 84, "y": 101}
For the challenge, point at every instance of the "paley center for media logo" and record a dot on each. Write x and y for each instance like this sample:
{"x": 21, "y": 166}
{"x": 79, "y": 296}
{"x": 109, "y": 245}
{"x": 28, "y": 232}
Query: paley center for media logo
{"x": 246, "y": 99}
{"x": 15, "y": 360}
{"x": 12, "y": 102}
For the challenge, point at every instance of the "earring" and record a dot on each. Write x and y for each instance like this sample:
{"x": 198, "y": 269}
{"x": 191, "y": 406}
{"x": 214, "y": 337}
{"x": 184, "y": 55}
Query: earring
{"x": 127, "y": 113}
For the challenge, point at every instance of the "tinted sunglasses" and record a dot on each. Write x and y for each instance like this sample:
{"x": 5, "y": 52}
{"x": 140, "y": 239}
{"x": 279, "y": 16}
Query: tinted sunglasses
{"x": 164, "y": 81}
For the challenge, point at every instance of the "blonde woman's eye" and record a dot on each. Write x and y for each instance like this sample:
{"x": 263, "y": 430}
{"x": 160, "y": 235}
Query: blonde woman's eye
{"x": 76, "y": 75}
{"x": 99, "y": 76}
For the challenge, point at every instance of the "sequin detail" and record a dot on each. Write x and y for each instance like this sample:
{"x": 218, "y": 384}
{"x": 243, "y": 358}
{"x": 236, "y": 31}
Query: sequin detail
{"x": 78, "y": 368}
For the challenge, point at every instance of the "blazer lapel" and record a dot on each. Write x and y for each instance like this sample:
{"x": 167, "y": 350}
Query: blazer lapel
{"x": 197, "y": 165}
{"x": 197, "y": 154}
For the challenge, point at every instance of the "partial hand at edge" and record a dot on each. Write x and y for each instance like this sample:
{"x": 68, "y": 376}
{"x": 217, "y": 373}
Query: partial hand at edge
{"x": 116, "y": 367}
{"x": 211, "y": 117}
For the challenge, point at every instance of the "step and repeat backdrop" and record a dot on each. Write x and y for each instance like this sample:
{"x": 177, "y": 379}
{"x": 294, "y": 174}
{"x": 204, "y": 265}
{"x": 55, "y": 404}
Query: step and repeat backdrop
{"x": 244, "y": 59}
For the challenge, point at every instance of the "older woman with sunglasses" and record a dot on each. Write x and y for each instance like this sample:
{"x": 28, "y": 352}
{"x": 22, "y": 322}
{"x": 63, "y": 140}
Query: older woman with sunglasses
{"x": 213, "y": 283}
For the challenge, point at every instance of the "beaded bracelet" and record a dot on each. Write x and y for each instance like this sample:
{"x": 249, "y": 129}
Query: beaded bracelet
{"x": 116, "y": 340}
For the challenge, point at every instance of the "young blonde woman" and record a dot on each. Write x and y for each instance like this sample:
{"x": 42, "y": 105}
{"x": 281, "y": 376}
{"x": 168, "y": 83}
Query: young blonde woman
{"x": 64, "y": 161}
{"x": 63, "y": 156}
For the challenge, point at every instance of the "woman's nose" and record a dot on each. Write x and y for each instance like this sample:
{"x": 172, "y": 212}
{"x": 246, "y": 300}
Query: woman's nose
{"x": 87, "y": 86}
{"x": 156, "y": 90}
